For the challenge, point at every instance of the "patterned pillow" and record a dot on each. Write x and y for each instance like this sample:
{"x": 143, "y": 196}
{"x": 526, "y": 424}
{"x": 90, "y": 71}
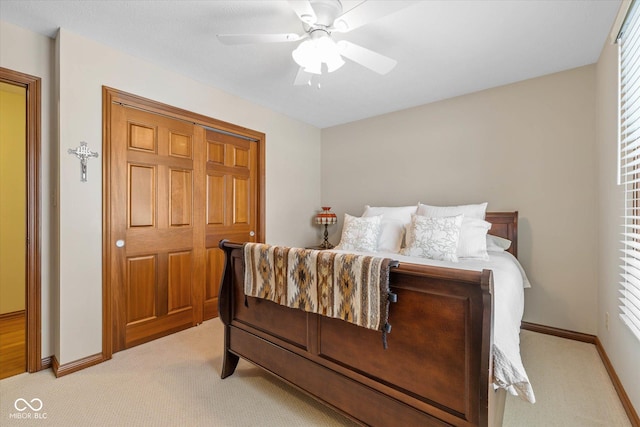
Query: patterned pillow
{"x": 360, "y": 233}
{"x": 433, "y": 237}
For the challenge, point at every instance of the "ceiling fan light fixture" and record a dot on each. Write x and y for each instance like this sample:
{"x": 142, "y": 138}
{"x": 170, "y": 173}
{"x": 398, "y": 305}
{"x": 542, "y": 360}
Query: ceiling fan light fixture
{"x": 314, "y": 67}
{"x": 334, "y": 63}
{"x": 328, "y": 52}
{"x": 310, "y": 54}
{"x": 303, "y": 53}
{"x": 306, "y": 57}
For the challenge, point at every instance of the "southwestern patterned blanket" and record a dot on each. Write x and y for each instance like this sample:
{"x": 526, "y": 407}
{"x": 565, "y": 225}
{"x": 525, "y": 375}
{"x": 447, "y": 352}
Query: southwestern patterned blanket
{"x": 354, "y": 288}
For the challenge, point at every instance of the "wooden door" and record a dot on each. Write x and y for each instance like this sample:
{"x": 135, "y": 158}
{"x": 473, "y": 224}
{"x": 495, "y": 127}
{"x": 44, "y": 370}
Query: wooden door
{"x": 156, "y": 230}
{"x": 231, "y": 203}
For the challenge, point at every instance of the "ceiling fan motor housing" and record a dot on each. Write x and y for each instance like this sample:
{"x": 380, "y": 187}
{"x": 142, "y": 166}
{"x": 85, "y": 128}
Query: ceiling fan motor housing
{"x": 326, "y": 11}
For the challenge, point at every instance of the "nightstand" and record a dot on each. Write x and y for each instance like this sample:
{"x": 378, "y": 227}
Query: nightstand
{"x": 317, "y": 248}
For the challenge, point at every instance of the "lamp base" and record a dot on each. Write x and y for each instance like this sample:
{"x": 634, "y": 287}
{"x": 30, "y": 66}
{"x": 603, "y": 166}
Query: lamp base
{"x": 325, "y": 244}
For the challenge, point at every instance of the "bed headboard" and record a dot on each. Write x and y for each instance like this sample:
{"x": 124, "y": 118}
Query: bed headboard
{"x": 505, "y": 224}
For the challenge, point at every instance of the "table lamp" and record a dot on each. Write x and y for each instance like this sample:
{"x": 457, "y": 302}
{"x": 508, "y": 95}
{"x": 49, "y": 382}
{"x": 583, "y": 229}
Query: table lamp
{"x": 326, "y": 217}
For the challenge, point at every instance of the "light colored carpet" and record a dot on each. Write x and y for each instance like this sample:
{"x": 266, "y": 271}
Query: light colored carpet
{"x": 175, "y": 381}
{"x": 571, "y": 384}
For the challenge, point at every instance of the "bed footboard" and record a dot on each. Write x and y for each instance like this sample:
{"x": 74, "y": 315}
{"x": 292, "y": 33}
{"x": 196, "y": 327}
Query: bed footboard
{"x": 435, "y": 371}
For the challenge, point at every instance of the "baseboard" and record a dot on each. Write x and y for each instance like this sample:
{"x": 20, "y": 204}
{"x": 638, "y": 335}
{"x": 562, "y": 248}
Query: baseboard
{"x": 557, "y": 332}
{"x": 77, "y": 365}
{"x": 46, "y": 363}
{"x": 624, "y": 398}
{"x": 592, "y": 339}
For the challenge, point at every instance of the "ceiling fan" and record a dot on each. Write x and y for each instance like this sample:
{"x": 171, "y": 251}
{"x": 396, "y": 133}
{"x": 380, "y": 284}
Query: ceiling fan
{"x": 318, "y": 50}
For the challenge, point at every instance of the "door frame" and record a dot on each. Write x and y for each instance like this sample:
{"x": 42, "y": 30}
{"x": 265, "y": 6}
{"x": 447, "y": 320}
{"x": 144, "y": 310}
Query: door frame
{"x": 33, "y": 306}
{"x": 111, "y": 96}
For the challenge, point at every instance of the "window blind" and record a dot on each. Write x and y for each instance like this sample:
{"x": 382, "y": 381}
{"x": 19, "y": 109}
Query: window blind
{"x": 629, "y": 167}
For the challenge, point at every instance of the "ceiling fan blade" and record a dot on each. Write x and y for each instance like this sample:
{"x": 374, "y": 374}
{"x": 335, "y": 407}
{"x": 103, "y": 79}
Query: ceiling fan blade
{"x": 303, "y": 9}
{"x": 233, "y": 39}
{"x": 302, "y": 78}
{"x": 367, "y": 58}
{"x": 365, "y": 12}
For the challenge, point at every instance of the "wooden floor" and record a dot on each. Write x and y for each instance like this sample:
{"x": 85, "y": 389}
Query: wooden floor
{"x": 13, "y": 346}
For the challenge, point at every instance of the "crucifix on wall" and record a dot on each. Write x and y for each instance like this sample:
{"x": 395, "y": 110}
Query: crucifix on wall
{"x": 83, "y": 153}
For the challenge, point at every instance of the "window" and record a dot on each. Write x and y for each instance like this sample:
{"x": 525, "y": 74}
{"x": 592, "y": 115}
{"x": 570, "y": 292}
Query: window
{"x": 629, "y": 167}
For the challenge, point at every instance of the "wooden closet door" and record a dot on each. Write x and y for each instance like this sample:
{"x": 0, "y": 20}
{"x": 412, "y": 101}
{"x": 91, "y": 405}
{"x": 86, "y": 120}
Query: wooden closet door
{"x": 157, "y": 225}
{"x": 231, "y": 203}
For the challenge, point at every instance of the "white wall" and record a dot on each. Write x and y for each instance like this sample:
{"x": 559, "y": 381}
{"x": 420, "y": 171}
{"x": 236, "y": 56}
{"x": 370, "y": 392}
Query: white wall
{"x": 619, "y": 343}
{"x": 292, "y": 165}
{"x": 528, "y": 146}
{"x": 33, "y": 54}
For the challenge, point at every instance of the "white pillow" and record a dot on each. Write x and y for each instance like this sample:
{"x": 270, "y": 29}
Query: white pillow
{"x": 360, "y": 234}
{"x": 473, "y": 238}
{"x": 394, "y": 220}
{"x": 497, "y": 244}
{"x": 470, "y": 211}
{"x": 433, "y": 237}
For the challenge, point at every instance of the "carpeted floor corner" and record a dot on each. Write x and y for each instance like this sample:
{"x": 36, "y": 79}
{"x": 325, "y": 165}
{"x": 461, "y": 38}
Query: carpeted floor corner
{"x": 571, "y": 384}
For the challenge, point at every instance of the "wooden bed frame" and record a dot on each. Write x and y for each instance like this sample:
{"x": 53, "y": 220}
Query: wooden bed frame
{"x": 436, "y": 370}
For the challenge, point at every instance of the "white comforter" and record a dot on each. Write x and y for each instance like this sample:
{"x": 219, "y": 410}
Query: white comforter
{"x": 509, "y": 280}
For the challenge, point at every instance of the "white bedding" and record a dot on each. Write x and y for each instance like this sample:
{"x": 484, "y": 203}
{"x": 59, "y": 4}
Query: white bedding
{"x": 509, "y": 280}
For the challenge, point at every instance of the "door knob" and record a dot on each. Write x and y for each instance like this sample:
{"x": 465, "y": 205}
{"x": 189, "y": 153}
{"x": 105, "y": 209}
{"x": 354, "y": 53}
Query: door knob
{"x": 120, "y": 243}
{"x": 252, "y": 233}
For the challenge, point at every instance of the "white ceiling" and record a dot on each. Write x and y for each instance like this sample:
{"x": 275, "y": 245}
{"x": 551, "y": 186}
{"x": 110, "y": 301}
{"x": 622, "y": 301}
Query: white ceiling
{"x": 444, "y": 48}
